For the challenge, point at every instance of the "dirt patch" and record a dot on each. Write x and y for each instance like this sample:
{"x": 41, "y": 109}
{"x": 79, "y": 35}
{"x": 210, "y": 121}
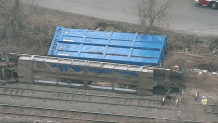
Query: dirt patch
{"x": 204, "y": 81}
{"x": 190, "y": 61}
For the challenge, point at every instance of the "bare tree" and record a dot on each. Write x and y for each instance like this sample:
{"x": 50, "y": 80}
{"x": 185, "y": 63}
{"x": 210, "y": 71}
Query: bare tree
{"x": 10, "y": 19}
{"x": 17, "y": 19}
{"x": 153, "y": 13}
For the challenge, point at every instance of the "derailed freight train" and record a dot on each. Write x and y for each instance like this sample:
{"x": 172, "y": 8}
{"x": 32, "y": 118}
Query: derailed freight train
{"x": 82, "y": 73}
{"x": 85, "y": 58}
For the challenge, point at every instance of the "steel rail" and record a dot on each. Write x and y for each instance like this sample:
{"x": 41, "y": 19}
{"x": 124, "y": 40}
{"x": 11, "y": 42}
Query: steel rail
{"x": 149, "y": 107}
{"x": 81, "y": 101}
{"x": 87, "y": 113}
{"x": 56, "y": 117}
{"x": 121, "y": 104}
{"x": 120, "y": 97}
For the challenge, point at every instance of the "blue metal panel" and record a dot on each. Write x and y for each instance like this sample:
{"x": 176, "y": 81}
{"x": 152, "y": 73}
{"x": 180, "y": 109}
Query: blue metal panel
{"x": 96, "y": 41}
{"x": 69, "y": 48}
{"x": 126, "y": 48}
{"x": 145, "y": 53}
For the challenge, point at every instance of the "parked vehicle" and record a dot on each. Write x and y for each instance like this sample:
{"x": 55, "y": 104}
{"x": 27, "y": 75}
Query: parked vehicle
{"x": 210, "y": 3}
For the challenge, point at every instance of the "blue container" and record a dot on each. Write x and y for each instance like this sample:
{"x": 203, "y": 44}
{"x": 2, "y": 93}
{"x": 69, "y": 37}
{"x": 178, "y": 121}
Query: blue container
{"x": 123, "y": 48}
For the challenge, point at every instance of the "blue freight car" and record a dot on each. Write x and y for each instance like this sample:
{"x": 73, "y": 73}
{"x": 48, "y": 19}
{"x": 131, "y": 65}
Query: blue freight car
{"x": 115, "y": 47}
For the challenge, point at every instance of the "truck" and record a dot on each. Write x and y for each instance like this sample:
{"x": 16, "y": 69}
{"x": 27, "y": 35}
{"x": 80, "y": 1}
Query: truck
{"x": 210, "y": 3}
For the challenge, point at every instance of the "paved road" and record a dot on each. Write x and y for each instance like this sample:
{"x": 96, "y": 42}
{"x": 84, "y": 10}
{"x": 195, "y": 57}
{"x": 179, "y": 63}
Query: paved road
{"x": 185, "y": 15}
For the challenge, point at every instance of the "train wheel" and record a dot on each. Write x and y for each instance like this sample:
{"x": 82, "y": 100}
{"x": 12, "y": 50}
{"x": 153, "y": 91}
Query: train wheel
{"x": 11, "y": 75}
{"x": 167, "y": 86}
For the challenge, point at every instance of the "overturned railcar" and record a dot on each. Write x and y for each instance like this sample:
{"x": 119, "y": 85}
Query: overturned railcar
{"x": 82, "y": 73}
{"x": 114, "y": 47}
{"x": 42, "y": 69}
{"x": 130, "y": 49}
{"x": 85, "y": 58}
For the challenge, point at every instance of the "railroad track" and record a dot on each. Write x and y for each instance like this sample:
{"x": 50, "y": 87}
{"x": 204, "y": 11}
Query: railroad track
{"x": 85, "y": 98}
{"x": 149, "y": 98}
{"x": 72, "y": 115}
{"x": 8, "y": 111}
{"x": 81, "y": 97}
{"x": 90, "y": 98}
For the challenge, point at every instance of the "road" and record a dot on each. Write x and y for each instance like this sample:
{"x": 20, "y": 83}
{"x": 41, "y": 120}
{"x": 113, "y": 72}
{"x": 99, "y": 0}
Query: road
{"x": 185, "y": 16}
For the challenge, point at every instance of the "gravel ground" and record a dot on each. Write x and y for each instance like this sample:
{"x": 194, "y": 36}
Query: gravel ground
{"x": 84, "y": 98}
{"x": 26, "y": 119}
{"x": 79, "y": 106}
{"x": 190, "y": 108}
